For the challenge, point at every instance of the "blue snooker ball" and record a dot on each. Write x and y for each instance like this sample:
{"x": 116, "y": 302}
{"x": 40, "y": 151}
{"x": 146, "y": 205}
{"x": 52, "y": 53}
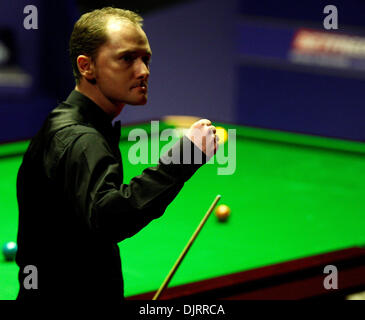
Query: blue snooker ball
{"x": 9, "y": 251}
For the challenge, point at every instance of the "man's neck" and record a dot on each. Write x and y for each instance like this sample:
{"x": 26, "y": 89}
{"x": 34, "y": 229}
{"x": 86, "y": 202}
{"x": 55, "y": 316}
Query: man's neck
{"x": 94, "y": 94}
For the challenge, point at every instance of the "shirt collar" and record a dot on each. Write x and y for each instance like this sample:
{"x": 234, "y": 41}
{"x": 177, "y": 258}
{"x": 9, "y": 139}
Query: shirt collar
{"x": 93, "y": 114}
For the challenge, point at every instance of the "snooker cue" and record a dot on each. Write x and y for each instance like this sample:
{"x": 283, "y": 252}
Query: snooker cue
{"x": 187, "y": 247}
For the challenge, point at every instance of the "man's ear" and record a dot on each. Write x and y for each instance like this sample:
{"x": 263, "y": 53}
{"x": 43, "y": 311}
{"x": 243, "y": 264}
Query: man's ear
{"x": 86, "y": 67}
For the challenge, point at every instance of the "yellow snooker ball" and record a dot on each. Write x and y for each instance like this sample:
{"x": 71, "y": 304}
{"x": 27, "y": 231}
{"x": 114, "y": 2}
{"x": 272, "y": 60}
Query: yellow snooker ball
{"x": 222, "y": 212}
{"x": 222, "y": 134}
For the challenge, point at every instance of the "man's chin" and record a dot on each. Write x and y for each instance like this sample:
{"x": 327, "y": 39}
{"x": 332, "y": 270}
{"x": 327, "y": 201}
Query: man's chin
{"x": 140, "y": 102}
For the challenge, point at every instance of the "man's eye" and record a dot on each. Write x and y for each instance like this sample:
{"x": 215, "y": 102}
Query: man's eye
{"x": 147, "y": 61}
{"x": 127, "y": 58}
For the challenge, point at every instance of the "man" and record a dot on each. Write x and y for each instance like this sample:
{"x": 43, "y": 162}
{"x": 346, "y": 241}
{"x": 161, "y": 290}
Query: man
{"x": 73, "y": 205}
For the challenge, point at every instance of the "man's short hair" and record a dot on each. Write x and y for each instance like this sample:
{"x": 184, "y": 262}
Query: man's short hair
{"x": 89, "y": 33}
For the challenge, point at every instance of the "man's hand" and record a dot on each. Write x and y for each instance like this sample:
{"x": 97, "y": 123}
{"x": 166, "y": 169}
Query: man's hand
{"x": 203, "y": 135}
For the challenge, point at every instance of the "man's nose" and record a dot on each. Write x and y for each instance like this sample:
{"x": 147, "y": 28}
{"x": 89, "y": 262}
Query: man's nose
{"x": 143, "y": 70}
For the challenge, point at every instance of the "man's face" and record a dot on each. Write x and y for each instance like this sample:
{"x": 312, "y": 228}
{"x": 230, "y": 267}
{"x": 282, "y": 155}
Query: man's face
{"x": 122, "y": 64}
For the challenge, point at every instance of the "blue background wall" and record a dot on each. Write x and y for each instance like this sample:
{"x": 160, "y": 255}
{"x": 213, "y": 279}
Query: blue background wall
{"x": 279, "y": 95}
{"x": 41, "y": 53}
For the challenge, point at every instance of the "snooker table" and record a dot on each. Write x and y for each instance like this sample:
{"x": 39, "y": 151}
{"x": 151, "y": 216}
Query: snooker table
{"x": 297, "y": 205}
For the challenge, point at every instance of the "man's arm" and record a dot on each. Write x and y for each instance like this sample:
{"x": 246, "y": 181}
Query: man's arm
{"x": 92, "y": 182}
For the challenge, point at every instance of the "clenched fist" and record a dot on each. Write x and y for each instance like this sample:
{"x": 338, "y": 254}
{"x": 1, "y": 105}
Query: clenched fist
{"x": 203, "y": 135}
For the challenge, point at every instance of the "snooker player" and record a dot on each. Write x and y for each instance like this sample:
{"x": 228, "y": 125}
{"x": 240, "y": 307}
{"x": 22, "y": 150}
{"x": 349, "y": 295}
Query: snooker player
{"x": 73, "y": 205}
